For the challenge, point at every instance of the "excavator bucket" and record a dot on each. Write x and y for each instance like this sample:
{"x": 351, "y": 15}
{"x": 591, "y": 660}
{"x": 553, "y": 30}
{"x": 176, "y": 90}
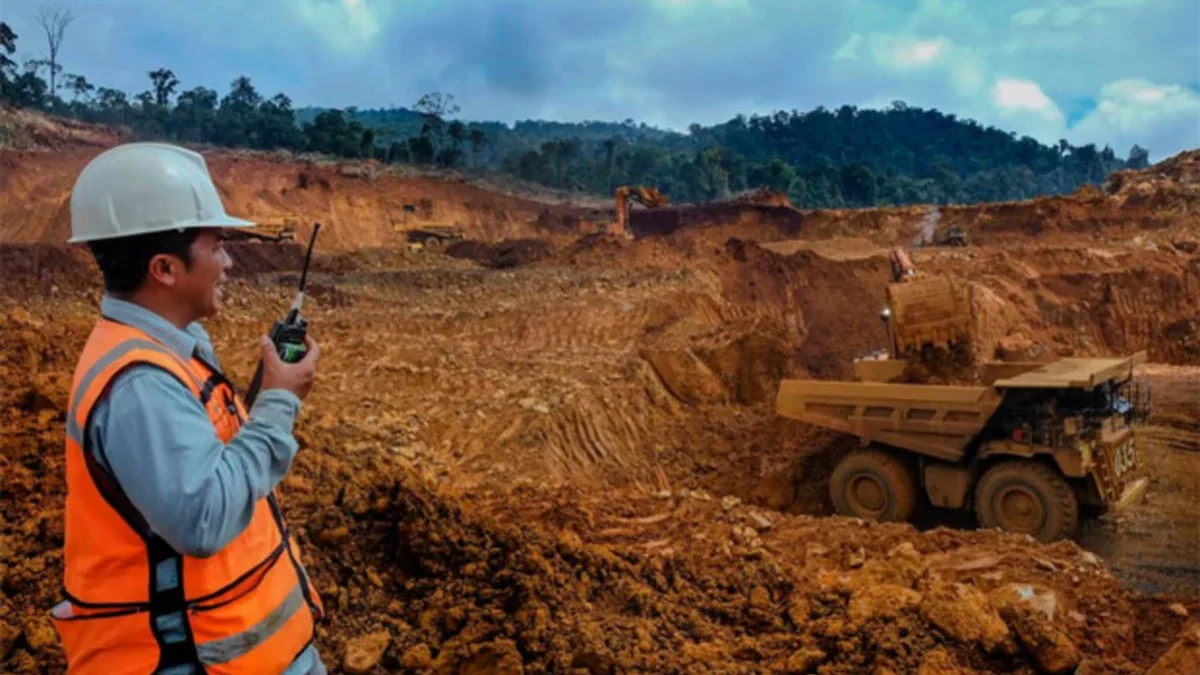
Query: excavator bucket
{"x": 933, "y": 311}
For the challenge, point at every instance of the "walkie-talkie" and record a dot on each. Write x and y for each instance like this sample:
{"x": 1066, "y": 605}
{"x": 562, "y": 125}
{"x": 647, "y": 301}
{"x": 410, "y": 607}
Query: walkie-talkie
{"x": 288, "y": 335}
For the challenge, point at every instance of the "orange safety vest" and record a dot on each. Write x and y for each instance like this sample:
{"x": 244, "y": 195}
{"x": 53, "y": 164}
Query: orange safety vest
{"x": 135, "y": 605}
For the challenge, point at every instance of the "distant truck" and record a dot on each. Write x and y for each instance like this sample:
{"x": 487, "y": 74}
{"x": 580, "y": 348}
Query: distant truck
{"x": 433, "y": 236}
{"x": 1025, "y": 451}
{"x": 951, "y": 236}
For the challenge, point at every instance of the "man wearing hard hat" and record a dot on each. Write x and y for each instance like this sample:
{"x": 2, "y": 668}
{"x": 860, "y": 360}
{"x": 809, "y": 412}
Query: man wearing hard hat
{"x": 177, "y": 558}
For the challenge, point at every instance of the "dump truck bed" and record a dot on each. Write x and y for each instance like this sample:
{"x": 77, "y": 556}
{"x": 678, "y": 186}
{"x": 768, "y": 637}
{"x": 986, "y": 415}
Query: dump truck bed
{"x": 1073, "y": 373}
{"x": 935, "y": 420}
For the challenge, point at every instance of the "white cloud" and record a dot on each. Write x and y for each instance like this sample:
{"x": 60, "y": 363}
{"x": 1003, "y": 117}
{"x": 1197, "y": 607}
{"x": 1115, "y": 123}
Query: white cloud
{"x": 349, "y": 27}
{"x": 1030, "y": 17}
{"x": 1068, "y": 15}
{"x": 1163, "y": 118}
{"x": 967, "y": 74}
{"x": 920, "y": 52}
{"x": 849, "y": 49}
{"x": 1024, "y": 95}
{"x": 1021, "y": 106}
{"x": 895, "y": 51}
{"x": 943, "y": 9}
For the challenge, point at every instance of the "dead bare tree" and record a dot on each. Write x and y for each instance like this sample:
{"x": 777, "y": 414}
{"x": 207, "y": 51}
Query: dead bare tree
{"x": 54, "y": 19}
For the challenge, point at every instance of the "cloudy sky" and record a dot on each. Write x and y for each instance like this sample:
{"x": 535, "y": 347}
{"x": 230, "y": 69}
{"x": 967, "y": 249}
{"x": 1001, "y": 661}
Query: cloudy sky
{"x": 1103, "y": 71}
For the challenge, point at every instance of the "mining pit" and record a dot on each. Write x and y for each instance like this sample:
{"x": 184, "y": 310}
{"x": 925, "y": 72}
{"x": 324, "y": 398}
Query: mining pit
{"x": 550, "y": 450}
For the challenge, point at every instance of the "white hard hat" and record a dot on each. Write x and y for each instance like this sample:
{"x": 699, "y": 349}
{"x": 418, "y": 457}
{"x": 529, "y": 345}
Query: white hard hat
{"x": 139, "y": 188}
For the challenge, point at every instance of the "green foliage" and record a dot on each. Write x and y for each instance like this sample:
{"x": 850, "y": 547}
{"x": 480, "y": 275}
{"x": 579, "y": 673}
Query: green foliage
{"x": 821, "y": 158}
{"x": 1139, "y": 158}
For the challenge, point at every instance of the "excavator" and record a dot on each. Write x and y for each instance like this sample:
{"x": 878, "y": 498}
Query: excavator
{"x": 646, "y": 196}
{"x": 922, "y": 313}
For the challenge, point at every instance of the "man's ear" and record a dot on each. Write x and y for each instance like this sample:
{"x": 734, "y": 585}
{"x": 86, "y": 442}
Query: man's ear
{"x": 165, "y": 269}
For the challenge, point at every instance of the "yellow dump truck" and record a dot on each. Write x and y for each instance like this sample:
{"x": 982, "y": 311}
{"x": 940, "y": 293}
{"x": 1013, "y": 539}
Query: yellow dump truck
{"x": 1025, "y": 450}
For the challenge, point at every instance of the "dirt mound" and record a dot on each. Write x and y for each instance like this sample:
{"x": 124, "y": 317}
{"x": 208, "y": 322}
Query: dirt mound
{"x": 1171, "y": 185}
{"x": 503, "y": 254}
{"x": 44, "y": 269}
{"x": 747, "y": 220}
{"x": 26, "y": 130}
{"x": 683, "y": 581}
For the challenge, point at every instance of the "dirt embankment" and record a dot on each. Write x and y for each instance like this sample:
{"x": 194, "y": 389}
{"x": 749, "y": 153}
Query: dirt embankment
{"x": 1159, "y": 206}
{"x": 360, "y": 204}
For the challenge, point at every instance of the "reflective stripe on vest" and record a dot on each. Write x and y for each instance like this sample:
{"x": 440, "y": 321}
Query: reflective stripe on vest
{"x": 238, "y": 611}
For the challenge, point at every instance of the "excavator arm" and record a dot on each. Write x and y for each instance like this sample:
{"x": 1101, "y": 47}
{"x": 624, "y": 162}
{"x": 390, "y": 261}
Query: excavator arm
{"x": 902, "y": 267}
{"x": 923, "y": 310}
{"x": 646, "y": 196}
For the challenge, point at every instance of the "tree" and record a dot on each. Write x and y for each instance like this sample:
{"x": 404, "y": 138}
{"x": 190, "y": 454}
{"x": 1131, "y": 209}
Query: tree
{"x": 27, "y": 90}
{"x": 277, "y": 124}
{"x": 8, "y": 45}
{"x": 34, "y": 66}
{"x": 54, "y": 20}
{"x": 164, "y": 82}
{"x": 366, "y": 142}
{"x": 420, "y": 149}
{"x": 79, "y": 86}
{"x": 610, "y": 154}
{"x": 478, "y": 139}
{"x": 397, "y": 152}
{"x": 457, "y": 132}
{"x": 858, "y": 184}
{"x": 113, "y": 105}
{"x": 195, "y": 114}
{"x": 777, "y": 175}
{"x": 434, "y": 108}
{"x": 1139, "y": 158}
{"x": 237, "y": 118}
{"x": 330, "y": 133}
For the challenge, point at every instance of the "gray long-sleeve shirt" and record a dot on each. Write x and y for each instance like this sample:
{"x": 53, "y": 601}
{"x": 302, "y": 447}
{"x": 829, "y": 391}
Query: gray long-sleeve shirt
{"x": 156, "y": 439}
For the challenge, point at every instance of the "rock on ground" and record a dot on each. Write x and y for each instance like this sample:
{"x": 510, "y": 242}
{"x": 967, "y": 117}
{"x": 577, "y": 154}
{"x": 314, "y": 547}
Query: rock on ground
{"x": 417, "y": 657}
{"x": 8, "y": 636}
{"x": 1184, "y": 656}
{"x": 495, "y": 658}
{"x": 965, "y": 614}
{"x": 805, "y": 660}
{"x": 364, "y": 653}
{"x": 941, "y": 662}
{"x": 881, "y": 601}
{"x": 1050, "y": 647}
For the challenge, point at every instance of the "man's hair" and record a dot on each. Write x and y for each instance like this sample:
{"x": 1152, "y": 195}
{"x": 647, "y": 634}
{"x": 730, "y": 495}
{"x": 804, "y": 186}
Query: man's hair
{"x": 125, "y": 261}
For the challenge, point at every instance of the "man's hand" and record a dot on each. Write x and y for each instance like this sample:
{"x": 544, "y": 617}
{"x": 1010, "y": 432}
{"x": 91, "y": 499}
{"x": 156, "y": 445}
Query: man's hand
{"x": 297, "y": 377}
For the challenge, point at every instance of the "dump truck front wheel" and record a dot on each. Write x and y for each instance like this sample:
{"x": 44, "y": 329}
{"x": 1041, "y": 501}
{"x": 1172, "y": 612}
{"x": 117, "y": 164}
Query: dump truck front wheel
{"x": 874, "y": 484}
{"x": 1027, "y": 497}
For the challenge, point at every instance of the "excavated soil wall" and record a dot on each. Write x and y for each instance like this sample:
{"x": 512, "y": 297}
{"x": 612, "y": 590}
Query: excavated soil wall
{"x": 358, "y": 206}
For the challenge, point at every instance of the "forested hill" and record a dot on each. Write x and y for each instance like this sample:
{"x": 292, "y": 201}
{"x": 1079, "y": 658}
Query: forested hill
{"x": 843, "y": 157}
{"x": 822, "y": 158}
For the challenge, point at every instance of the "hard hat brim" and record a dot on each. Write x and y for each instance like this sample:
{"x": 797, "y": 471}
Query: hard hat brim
{"x": 219, "y": 221}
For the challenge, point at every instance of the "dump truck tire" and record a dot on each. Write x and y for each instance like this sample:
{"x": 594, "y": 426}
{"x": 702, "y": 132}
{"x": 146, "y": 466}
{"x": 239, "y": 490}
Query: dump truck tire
{"x": 1027, "y": 497}
{"x": 875, "y": 485}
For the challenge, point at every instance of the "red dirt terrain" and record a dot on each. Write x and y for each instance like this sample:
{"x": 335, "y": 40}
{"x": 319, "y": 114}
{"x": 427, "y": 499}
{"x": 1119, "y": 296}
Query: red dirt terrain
{"x": 558, "y": 453}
